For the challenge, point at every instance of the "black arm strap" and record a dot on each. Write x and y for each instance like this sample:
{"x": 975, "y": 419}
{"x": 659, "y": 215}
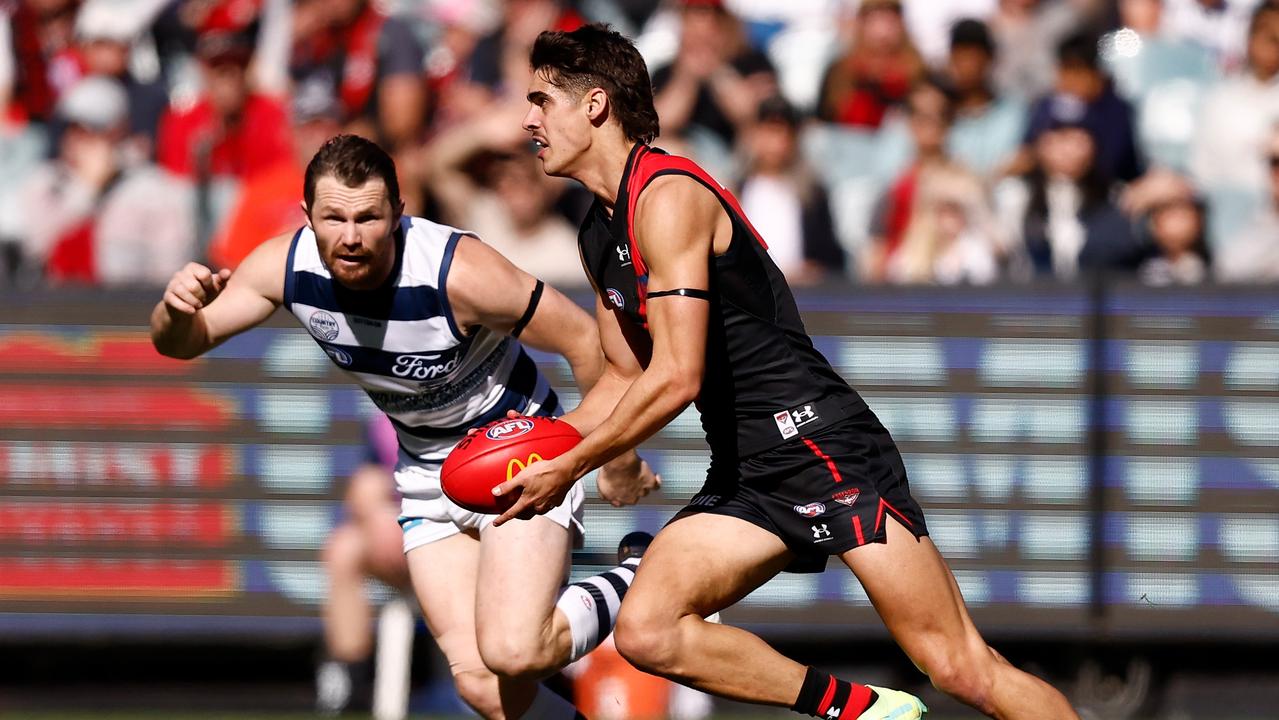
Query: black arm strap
{"x": 533, "y": 300}
{"x": 683, "y": 292}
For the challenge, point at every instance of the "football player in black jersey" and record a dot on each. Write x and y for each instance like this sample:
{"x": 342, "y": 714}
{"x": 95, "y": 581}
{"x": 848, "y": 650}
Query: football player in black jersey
{"x": 692, "y": 310}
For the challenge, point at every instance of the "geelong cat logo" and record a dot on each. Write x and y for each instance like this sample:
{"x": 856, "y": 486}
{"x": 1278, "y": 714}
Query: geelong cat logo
{"x": 508, "y": 429}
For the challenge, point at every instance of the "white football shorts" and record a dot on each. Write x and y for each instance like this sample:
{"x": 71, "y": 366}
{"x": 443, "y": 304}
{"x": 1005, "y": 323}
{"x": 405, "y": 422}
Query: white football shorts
{"x": 427, "y": 515}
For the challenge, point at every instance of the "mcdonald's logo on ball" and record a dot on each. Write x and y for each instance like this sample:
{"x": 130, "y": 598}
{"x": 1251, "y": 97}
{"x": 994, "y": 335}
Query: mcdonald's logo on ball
{"x": 515, "y": 466}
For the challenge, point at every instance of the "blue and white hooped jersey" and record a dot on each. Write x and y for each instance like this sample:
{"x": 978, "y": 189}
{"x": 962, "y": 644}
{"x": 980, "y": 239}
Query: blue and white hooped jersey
{"x": 401, "y": 344}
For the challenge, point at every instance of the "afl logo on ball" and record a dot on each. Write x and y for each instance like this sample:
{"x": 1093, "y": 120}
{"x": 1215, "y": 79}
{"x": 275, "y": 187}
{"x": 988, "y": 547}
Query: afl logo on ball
{"x": 616, "y": 298}
{"x": 324, "y": 325}
{"x": 508, "y": 429}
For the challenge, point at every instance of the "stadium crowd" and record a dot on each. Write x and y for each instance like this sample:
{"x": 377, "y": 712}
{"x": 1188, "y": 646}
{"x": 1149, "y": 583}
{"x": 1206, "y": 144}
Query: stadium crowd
{"x": 899, "y": 141}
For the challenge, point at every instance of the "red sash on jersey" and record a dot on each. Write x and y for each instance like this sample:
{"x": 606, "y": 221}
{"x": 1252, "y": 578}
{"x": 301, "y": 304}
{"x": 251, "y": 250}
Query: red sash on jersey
{"x": 648, "y": 165}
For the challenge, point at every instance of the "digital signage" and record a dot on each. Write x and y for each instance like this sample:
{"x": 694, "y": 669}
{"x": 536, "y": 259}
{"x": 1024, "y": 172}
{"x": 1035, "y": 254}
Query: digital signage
{"x": 1091, "y": 464}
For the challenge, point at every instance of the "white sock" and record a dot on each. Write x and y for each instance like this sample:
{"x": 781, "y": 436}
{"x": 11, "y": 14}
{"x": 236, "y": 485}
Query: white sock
{"x": 549, "y": 706}
{"x": 590, "y": 606}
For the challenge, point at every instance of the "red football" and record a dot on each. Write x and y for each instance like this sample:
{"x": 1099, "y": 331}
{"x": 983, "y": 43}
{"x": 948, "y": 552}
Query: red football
{"x": 496, "y": 453}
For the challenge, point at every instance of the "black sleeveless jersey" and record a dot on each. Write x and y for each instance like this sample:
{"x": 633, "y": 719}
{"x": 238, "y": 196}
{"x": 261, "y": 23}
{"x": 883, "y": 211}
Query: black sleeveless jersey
{"x": 764, "y": 382}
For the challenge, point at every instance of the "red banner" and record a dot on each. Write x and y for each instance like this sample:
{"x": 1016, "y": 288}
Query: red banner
{"x": 141, "y": 466}
{"x": 94, "y": 580}
{"x": 123, "y": 353}
{"x": 101, "y": 406}
{"x": 106, "y": 523}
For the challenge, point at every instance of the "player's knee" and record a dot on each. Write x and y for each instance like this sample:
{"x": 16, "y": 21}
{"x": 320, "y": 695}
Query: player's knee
{"x": 648, "y": 642}
{"x": 517, "y": 655}
{"x": 343, "y": 552}
{"x": 368, "y": 491}
{"x": 478, "y": 689}
{"x": 966, "y": 676}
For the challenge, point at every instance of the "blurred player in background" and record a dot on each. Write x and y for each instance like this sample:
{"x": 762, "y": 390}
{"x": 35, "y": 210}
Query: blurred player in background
{"x": 691, "y": 309}
{"x": 428, "y": 320}
{"x": 367, "y": 543}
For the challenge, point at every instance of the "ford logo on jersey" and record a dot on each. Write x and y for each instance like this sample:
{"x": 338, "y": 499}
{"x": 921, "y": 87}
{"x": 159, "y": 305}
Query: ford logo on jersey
{"x": 810, "y": 510}
{"x": 424, "y": 367}
{"x": 508, "y": 429}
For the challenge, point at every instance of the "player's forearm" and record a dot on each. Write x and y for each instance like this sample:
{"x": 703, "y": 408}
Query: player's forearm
{"x": 598, "y": 403}
{"x": 652, "y": 401}
{"x": 182, "y": 337}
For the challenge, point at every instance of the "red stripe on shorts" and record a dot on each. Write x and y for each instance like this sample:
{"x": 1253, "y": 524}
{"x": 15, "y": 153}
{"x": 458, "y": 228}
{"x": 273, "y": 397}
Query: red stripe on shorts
{"x": 896, "y": 512}
{"x": 830, "y": 464}
{"x": 830, "y": 695}
{"x": 857, "y": 528}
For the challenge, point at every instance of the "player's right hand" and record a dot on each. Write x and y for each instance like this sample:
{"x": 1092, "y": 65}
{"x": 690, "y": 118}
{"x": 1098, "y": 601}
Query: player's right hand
{"x": 193, "y": 287}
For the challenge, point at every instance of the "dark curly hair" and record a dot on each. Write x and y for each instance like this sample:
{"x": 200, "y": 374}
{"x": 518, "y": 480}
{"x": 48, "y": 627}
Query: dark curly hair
{"x": 596, "y": 56}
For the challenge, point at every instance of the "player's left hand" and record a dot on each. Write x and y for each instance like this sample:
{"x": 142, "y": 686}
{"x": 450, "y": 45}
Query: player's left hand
{"x": 625, "y": 480}
{"x": 539, "y": 488}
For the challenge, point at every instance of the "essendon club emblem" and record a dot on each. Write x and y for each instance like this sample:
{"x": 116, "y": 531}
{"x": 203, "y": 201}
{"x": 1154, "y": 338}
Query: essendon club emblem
{"x": 846, "y": 497}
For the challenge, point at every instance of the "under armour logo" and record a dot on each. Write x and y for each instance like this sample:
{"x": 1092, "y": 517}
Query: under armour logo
{"x": 834, "y": 712}
{"x": 624, "y": 254}
{"x": 820, "y": 531}
{"x": 804, "y": 415}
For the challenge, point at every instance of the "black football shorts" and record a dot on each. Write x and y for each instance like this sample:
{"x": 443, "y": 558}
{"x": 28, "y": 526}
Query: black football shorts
{"x": 822, "y": 494}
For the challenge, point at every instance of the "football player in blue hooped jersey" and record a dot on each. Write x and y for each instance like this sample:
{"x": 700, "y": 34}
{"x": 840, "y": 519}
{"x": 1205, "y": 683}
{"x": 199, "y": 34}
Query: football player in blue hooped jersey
{"x": 426, "y": 318}
{"x": 692, "y": 309}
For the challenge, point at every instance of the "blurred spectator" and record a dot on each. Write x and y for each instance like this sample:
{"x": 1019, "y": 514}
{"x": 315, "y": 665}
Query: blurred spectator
{"x": 789, "y": 206}
{"x": 22, "y": 149}
{"x": 367, "y": 543}
{"x": 1026, "y": 32}
{"x": 1109, "y": 118}
{"x": 106, "y": 31}
{"x": 716, "y": 81}
{"x": 1216, "y": 25}
{"x": 87, "y": 215}
{"x": 931, "y": 110}
{"x": 269, "y": 202}
{"x": 1253, "y": 254}
{"x": 875, "y": 73}
{"x": 988, "y": 128}
{"x": 487, "y": 181}
{"x": 1173, "y": 229}
{"x": 230, "y": 131}
{"x": 951, "y": 237}
{"x": 1164, "y": 77}
{"x": 1230, "y": 142}
{"x": 1178, "y": 244}
{"x": 1060, "y": 210}
{"x": 453, "y": 93}
{"x": 371, "y": 63}
{"x": 182, "y": 23}
{"x": 500, "y": 60}
{"x": 931, "y": 22}
{"x": 1142, "y": 54}
{"x": 39, "y": 60}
